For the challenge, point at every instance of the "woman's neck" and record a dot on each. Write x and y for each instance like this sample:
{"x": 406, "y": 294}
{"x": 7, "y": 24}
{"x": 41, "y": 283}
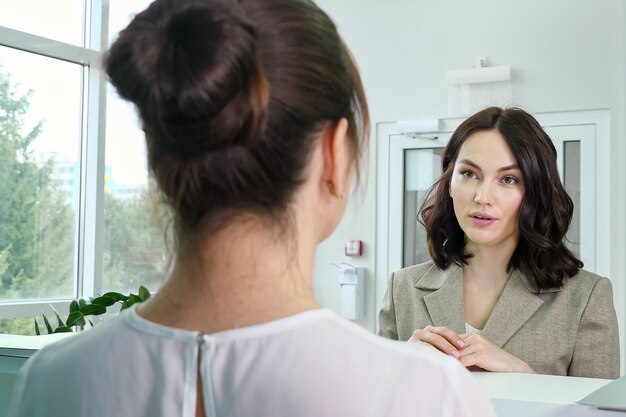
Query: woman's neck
{"x": 488, "y": 265}
{"x": 484, "y": 278}
{"x": 246, "y": 274}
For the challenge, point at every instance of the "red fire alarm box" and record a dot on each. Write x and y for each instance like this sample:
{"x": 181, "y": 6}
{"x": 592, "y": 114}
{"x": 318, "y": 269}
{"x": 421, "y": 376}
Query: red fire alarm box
{"x": 354, "y": 248}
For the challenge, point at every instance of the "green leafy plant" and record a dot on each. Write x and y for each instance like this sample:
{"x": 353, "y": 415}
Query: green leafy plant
{"x": 81, "y": 309}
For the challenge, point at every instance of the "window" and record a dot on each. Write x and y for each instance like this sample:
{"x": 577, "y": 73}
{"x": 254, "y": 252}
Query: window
{"x": 77, "y": 216}
{"x": 35, "y": 16}
{"x": 134, "y": 244}
{"x": 38, "y": 222}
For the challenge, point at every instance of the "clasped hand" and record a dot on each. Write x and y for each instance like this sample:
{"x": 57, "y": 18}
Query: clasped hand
{"x": 471, "y": 349}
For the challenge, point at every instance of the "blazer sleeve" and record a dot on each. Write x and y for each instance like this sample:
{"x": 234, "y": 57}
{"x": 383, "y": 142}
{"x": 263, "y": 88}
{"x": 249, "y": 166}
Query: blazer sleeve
{"x": 387, "y": 326}
{"x": 596, "y": 350}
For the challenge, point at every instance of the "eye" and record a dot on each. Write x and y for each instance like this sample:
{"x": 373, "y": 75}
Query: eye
{"x": 508, "y": 180}
{"x": 466, "y": 173}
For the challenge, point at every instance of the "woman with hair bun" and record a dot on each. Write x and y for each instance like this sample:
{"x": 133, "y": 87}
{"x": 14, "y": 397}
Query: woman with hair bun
{"x": 503, "y": 293}
{"x": 255, "y": 121}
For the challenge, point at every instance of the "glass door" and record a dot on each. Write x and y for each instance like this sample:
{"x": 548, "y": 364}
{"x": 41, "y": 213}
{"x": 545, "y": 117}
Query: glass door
{"x": 575, "y": 146}
{"x": 415, "y": 165}
{"x": 422, "y": 167}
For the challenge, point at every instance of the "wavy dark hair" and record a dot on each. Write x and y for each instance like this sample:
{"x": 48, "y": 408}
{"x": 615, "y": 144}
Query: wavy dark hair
{"x": 232, "y": 95}
{"x": 546, "y": 209}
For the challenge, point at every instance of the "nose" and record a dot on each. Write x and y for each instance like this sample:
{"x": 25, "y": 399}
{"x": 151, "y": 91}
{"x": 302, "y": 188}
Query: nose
{"x": 483, "y": 194}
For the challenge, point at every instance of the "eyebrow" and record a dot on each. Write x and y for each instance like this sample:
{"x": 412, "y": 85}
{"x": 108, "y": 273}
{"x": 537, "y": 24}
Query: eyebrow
{"x": 475, "y": 165}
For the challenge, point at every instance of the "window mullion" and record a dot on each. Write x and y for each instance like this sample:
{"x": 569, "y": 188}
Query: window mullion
{"x": 47, "y": 47}
{"x": 92, "y": 184}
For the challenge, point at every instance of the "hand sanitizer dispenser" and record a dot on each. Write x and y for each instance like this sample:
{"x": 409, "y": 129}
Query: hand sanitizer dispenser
{"x": 352, "y": 284}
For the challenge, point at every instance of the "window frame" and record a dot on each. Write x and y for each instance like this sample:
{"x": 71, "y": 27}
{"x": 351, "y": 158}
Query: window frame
{"x": 89, "y": 243}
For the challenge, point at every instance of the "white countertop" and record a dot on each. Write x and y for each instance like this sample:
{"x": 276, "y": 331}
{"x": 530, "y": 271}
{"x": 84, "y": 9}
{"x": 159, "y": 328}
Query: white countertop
{"x": 526, "y": 395}
{"x": 534, "y": 387}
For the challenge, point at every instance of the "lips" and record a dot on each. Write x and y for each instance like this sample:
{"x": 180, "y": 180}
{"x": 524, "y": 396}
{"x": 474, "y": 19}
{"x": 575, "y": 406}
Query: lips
{"x": 482, "y": 219}
{"x": 481, "y": 216}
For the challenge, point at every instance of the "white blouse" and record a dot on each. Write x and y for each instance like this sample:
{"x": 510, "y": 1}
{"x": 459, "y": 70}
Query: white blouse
{"x": 470, "y": 329}
{"x": 310, "y": 364}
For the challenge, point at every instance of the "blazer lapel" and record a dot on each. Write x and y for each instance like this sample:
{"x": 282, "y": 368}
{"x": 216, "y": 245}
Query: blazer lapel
{"x": 445, "y": 303}
{"x": 516, "y": 305}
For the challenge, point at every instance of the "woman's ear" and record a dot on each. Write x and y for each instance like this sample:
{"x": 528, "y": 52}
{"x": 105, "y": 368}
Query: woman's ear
{"x": 337, "y": 158}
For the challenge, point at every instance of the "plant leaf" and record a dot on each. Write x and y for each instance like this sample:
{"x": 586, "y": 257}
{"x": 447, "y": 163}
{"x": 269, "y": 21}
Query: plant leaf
{"x": 104, "y": 300}
{"x": 115, "y": 295}
{"x": 82, "y": 302}
{"x": 37, "y": 332}
{"x": 132, "y": 299}
{"x": 74, "y": 306}
{"x": 59, "y": 320}
{"x": 47, "y": 323}
{"x": 93, "y": 309}
{"x": 63, "y": 329}
{"x": 75, "y": 319}
{"x": 58, "y": 316}
{"x": 144, "y": 294}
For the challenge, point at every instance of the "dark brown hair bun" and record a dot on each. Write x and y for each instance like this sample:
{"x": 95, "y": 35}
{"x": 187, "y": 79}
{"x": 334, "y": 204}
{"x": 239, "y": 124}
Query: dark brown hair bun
{"x": 197, "y": 76}
{"x": 232, "y": 95}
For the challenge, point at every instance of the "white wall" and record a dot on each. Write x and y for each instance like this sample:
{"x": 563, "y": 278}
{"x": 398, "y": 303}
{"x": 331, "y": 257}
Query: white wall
{"x": 565, "y": 55}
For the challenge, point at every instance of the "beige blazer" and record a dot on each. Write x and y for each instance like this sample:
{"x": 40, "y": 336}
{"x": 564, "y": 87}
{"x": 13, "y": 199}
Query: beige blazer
{"x": 568, "y": 331}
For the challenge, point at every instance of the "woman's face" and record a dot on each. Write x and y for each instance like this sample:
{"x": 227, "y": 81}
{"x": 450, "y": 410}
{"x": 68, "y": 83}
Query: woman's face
{"x": 487, "y": 190}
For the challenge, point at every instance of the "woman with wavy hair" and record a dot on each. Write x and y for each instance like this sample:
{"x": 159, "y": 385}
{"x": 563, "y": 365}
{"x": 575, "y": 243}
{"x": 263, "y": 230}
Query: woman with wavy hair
{"x": 255, "y": 121}
{"x": 502, "y": 291}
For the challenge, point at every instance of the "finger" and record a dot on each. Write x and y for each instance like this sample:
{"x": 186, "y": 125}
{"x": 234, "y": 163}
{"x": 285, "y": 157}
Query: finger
{"x": 466, "y": 336}
{"x": 471, "y": 338}
{"x": 450, "y": 335}
{"x": 439, "y": 342}
{"x": 475, "y": 344}
{"x": 470, "y": 350}
{"x": 419, "y": 342}
{"x": 438, "y": 337}
{"x": 489, "y": 361}
{"x": 416, "y": 338}
{"x": 470, "y": 360}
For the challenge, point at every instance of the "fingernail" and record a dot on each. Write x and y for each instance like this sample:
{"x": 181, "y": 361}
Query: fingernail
{"x": 456, "y": 354}
{"x": 461, "y": 343}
